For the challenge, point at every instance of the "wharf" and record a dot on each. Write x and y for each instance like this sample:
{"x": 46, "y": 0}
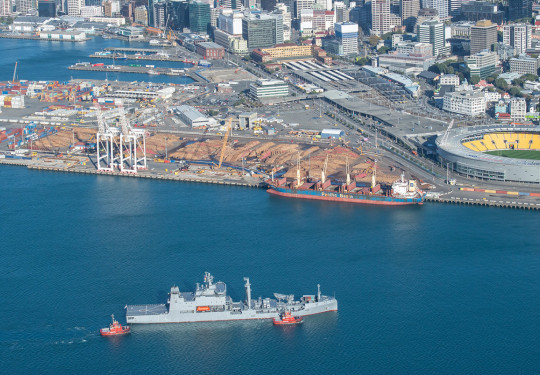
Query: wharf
{"x": 35, "y": 37}
{"x": 125, "y": 69}
{"x": 154, "y": 57}
{"x": 486, "y": 202}
{"x": 219, "y": 180}
{"x": 127, "y": 49}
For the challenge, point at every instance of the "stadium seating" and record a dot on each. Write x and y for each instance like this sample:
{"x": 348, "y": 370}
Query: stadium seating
{"x": 505, "y": 140}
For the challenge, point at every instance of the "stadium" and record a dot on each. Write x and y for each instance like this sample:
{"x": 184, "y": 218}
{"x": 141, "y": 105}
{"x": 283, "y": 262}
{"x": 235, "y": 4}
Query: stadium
{"x": 493, "y": 152}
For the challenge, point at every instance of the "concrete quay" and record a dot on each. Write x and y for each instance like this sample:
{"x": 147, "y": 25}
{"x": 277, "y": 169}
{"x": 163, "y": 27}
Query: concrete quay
{"x": 141, "y": 58}
{"x": 182, "y": 177}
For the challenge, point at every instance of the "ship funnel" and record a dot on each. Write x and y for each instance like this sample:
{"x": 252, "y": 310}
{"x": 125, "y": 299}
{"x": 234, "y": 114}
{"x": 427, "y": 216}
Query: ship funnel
{"x": 248, "y": 292}
{"x": 318, "y": 292}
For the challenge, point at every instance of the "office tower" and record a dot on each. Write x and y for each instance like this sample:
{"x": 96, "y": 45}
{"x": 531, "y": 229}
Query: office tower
{"x": 483, "y": 36}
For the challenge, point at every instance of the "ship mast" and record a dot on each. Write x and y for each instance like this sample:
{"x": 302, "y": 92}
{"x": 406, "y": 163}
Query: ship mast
{"x": 323, "y": 172}
{"x": 348, "y": 171}
{"x": 298, "y": 179}
{"x": 248, "y": 292}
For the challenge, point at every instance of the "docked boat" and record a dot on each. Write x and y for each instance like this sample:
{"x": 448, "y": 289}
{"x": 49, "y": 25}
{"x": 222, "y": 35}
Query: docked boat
{"x": 114, "y": 329}
{"x": 286, "y": 319}
{"x": 401, "y": 192}
{"x": 153, "y": 72}
{"x": 210, "y": 303}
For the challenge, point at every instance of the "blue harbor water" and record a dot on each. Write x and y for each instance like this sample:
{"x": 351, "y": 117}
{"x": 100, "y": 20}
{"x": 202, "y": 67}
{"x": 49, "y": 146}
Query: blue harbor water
{"x": 48, "y": 60}
{"x": 436, "y": 289}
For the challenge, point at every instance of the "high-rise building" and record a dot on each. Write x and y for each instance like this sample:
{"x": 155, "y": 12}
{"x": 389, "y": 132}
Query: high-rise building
{"x": 519, "y": 36}
{"x": 341, "y": 12}
{"x": 6, "y": 7}
{"x": 231, "y": 22}
{"x": 481, "y": 10}
{"x": 518, "y": 9}
{"x": 47, "y": 8}
{"x": 482, "y": 64}
{"x": 483, "y": 36}
{"x": 262, "y": 30}
{"x": 199, "y": 17}
{"x": 433, "y": 32}
{"x": 177, "y": 14}
{"x": 409, "y": 13}
{"x": 74, "y": 7}
{"x": 440, "y": 5}
{"x": 24, "y": 6}
{"x": 380, "y": 17}
{"x": 268, "y": 5}
{"x": 158, "y": 18}
{"x": 299, "y": 5}
{"x": 283, "y": 10}
{"x": 347, "y": 36}
{"x": 141, "y": 15}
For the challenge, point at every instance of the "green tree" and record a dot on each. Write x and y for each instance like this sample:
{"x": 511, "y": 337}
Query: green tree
{"x": 529, "y": 77}
{"x": 374, "y": 40}
{"x": 518, "y": 82}
{"x": 501, "y": 84}
{"x": 514, "y": 91}
{"x": 383, "y": 50}
{"x": 362, "y": 61}
{"x": 474, "y": 79}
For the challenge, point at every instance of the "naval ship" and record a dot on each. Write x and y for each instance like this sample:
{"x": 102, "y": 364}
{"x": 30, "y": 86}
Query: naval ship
{"x": 210, "y": 303}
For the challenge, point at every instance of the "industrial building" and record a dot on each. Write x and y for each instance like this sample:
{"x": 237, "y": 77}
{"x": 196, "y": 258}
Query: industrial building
{"x": 192, "y": 117}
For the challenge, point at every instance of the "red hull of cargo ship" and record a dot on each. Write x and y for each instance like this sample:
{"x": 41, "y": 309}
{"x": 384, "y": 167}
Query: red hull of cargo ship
{"x": 322, "y": 198}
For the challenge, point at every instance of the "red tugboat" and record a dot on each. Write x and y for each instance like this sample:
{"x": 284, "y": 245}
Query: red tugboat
{"x": 286, "y": 319}
{"x": 115, "y": 329}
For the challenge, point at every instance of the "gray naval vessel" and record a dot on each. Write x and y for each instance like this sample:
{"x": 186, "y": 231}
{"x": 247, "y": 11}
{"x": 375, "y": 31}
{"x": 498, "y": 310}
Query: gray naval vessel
{"x": 210, "y": 303}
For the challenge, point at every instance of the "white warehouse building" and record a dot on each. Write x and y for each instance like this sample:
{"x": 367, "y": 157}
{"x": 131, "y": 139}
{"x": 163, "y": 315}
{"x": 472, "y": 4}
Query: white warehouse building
{"x": 192, "y": 117}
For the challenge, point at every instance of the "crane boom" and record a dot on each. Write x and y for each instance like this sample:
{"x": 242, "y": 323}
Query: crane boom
{"x": 225, "y": 138}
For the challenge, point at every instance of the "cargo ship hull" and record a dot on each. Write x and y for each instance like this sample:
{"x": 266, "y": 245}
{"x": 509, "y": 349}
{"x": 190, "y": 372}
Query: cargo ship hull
{"x": 344, "y": 197}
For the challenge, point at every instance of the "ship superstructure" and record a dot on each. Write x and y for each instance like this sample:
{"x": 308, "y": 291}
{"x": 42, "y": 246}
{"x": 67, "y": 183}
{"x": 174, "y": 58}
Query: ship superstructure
{"x": 210, "y": 302}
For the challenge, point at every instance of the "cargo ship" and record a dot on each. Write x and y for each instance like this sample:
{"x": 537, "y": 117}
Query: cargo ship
{"x": 210, "y": 303}
{"x": 401, "y": 192}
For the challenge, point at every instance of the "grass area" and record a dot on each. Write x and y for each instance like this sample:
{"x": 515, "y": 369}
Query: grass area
{"x": 517, "y": 154}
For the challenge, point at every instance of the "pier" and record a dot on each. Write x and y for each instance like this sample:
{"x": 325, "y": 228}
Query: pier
{"x": 127, "y": 69}
{"x": 486, "y": 202}
{"x": 154, "y": 57}
{"x": 35, "y": 37}
{"x": 127, "y": 49}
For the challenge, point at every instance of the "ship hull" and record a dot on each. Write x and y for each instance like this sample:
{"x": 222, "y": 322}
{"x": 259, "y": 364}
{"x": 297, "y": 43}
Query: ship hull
{"x": 344, "y": 197}
{"x": 134, "y": 317}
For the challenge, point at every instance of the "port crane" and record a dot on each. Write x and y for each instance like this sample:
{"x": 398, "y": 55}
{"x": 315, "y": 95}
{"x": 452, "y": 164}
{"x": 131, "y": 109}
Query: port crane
{"x": 130, "y": 141}
{"x": 105, "y": 145}
{"x": 225, "y": 138}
